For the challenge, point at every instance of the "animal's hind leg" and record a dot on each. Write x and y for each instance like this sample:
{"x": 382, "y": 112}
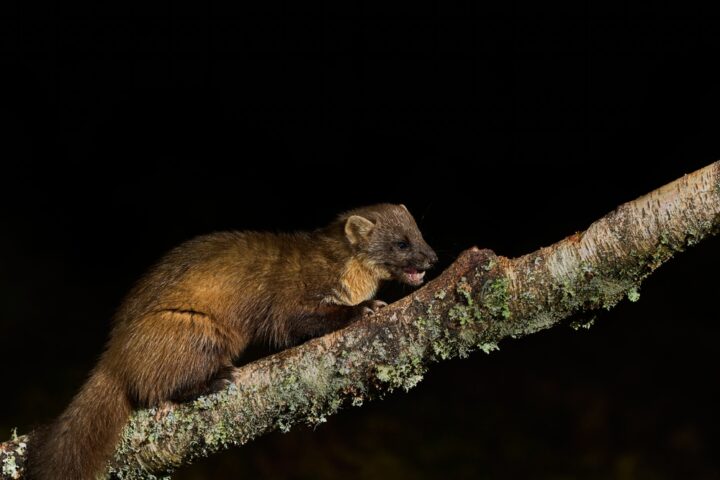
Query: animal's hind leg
{"x": 173, "y": 355}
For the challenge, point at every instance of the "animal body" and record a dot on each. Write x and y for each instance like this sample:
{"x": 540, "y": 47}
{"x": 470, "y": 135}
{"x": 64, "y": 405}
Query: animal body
{"x": 180, "y": 328}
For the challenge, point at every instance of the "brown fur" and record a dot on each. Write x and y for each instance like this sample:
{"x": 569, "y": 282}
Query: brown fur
{"x": 201, "y": 306}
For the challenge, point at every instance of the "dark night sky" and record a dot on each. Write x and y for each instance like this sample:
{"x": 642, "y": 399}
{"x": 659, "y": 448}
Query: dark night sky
{"x": 128, "y": 129}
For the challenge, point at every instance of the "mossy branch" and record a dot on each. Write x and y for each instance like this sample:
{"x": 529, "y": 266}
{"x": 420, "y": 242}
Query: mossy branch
{"x": 479, "y": 300}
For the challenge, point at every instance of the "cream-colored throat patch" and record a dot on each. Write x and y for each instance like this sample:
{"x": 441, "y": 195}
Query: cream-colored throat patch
{"x": 358, "y": 282}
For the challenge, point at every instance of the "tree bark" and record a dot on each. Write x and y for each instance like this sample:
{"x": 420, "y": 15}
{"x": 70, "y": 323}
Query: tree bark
{"x": 479, "y": 300}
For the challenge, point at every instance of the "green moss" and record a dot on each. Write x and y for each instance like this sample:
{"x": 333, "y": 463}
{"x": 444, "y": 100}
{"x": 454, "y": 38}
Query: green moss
{"x": 489, "y": 265}
{"x": 385, "y": 373}
{"x": 662, "y": 253}
{"x": 442, "y": 349}
{"x": 488, "y": 347}
{"x": 496, "y": 297}
{"x": 464, "y": 289}
{"x": 583, "y": 323}
{"x": 10, "y": 467}
{"x": 471, "y": 318}
{"x": 219, "y": 436}
{"x": 9, "y": 459}
{"x": 405, "y": 374}
{"x": 633, "y": 294}
{"x": 467, "y": 311}
{"x": 461, "y": 314}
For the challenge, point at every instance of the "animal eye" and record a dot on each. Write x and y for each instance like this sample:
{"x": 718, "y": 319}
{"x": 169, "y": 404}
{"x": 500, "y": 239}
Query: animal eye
{"x": 403, "y": 245}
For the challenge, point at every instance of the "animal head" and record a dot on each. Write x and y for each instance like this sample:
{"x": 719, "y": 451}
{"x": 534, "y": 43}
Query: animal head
{"x": 388, "y": 238}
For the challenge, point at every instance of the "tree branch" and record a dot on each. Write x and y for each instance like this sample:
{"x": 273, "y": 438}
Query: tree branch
{"x": 479, "y": 300}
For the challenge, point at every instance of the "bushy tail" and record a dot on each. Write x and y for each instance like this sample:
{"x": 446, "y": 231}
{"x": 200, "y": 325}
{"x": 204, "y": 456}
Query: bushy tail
{"x": 78, "y": 444}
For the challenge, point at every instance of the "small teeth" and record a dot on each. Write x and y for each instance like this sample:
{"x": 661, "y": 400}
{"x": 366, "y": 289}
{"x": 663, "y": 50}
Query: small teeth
{"x": 416, "y": 276}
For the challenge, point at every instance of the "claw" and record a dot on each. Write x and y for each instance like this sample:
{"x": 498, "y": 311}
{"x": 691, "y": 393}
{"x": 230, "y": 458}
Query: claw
{"x": 372, "y": 306}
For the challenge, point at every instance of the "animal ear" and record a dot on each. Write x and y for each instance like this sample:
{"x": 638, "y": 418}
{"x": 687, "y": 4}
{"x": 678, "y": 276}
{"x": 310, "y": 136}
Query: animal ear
{"x": 357, "y": 228}
{"x": 403, "y": 206}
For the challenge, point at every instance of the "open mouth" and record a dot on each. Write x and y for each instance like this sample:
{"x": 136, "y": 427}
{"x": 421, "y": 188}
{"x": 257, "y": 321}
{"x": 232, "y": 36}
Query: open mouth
{"x": 413, "y": 276}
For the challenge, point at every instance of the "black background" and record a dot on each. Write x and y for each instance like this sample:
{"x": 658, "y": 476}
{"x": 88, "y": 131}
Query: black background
{"x": 130, "y": 128}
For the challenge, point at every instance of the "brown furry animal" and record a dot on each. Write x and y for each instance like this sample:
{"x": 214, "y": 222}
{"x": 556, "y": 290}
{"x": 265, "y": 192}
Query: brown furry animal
{"x": 182, "y": 325}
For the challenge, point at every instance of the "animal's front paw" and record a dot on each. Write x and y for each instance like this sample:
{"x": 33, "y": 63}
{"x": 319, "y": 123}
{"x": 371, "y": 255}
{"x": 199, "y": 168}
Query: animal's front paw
{"x": 222, "y": 380}
{"x": 371, "y": 307}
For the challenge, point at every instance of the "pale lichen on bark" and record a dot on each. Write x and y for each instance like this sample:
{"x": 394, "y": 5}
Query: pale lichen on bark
{"x": 479, "y": 300}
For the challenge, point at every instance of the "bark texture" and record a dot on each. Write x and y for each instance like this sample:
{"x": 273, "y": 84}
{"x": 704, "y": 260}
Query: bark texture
{"x": 479, "y": 300}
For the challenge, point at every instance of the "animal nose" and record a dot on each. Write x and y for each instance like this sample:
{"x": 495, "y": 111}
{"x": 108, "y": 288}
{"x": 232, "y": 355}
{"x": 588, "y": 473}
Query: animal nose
{"x": 431, "y": 258}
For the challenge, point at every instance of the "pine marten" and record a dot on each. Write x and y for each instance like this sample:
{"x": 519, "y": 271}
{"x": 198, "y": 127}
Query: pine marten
{"x": 180, "y": 328}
